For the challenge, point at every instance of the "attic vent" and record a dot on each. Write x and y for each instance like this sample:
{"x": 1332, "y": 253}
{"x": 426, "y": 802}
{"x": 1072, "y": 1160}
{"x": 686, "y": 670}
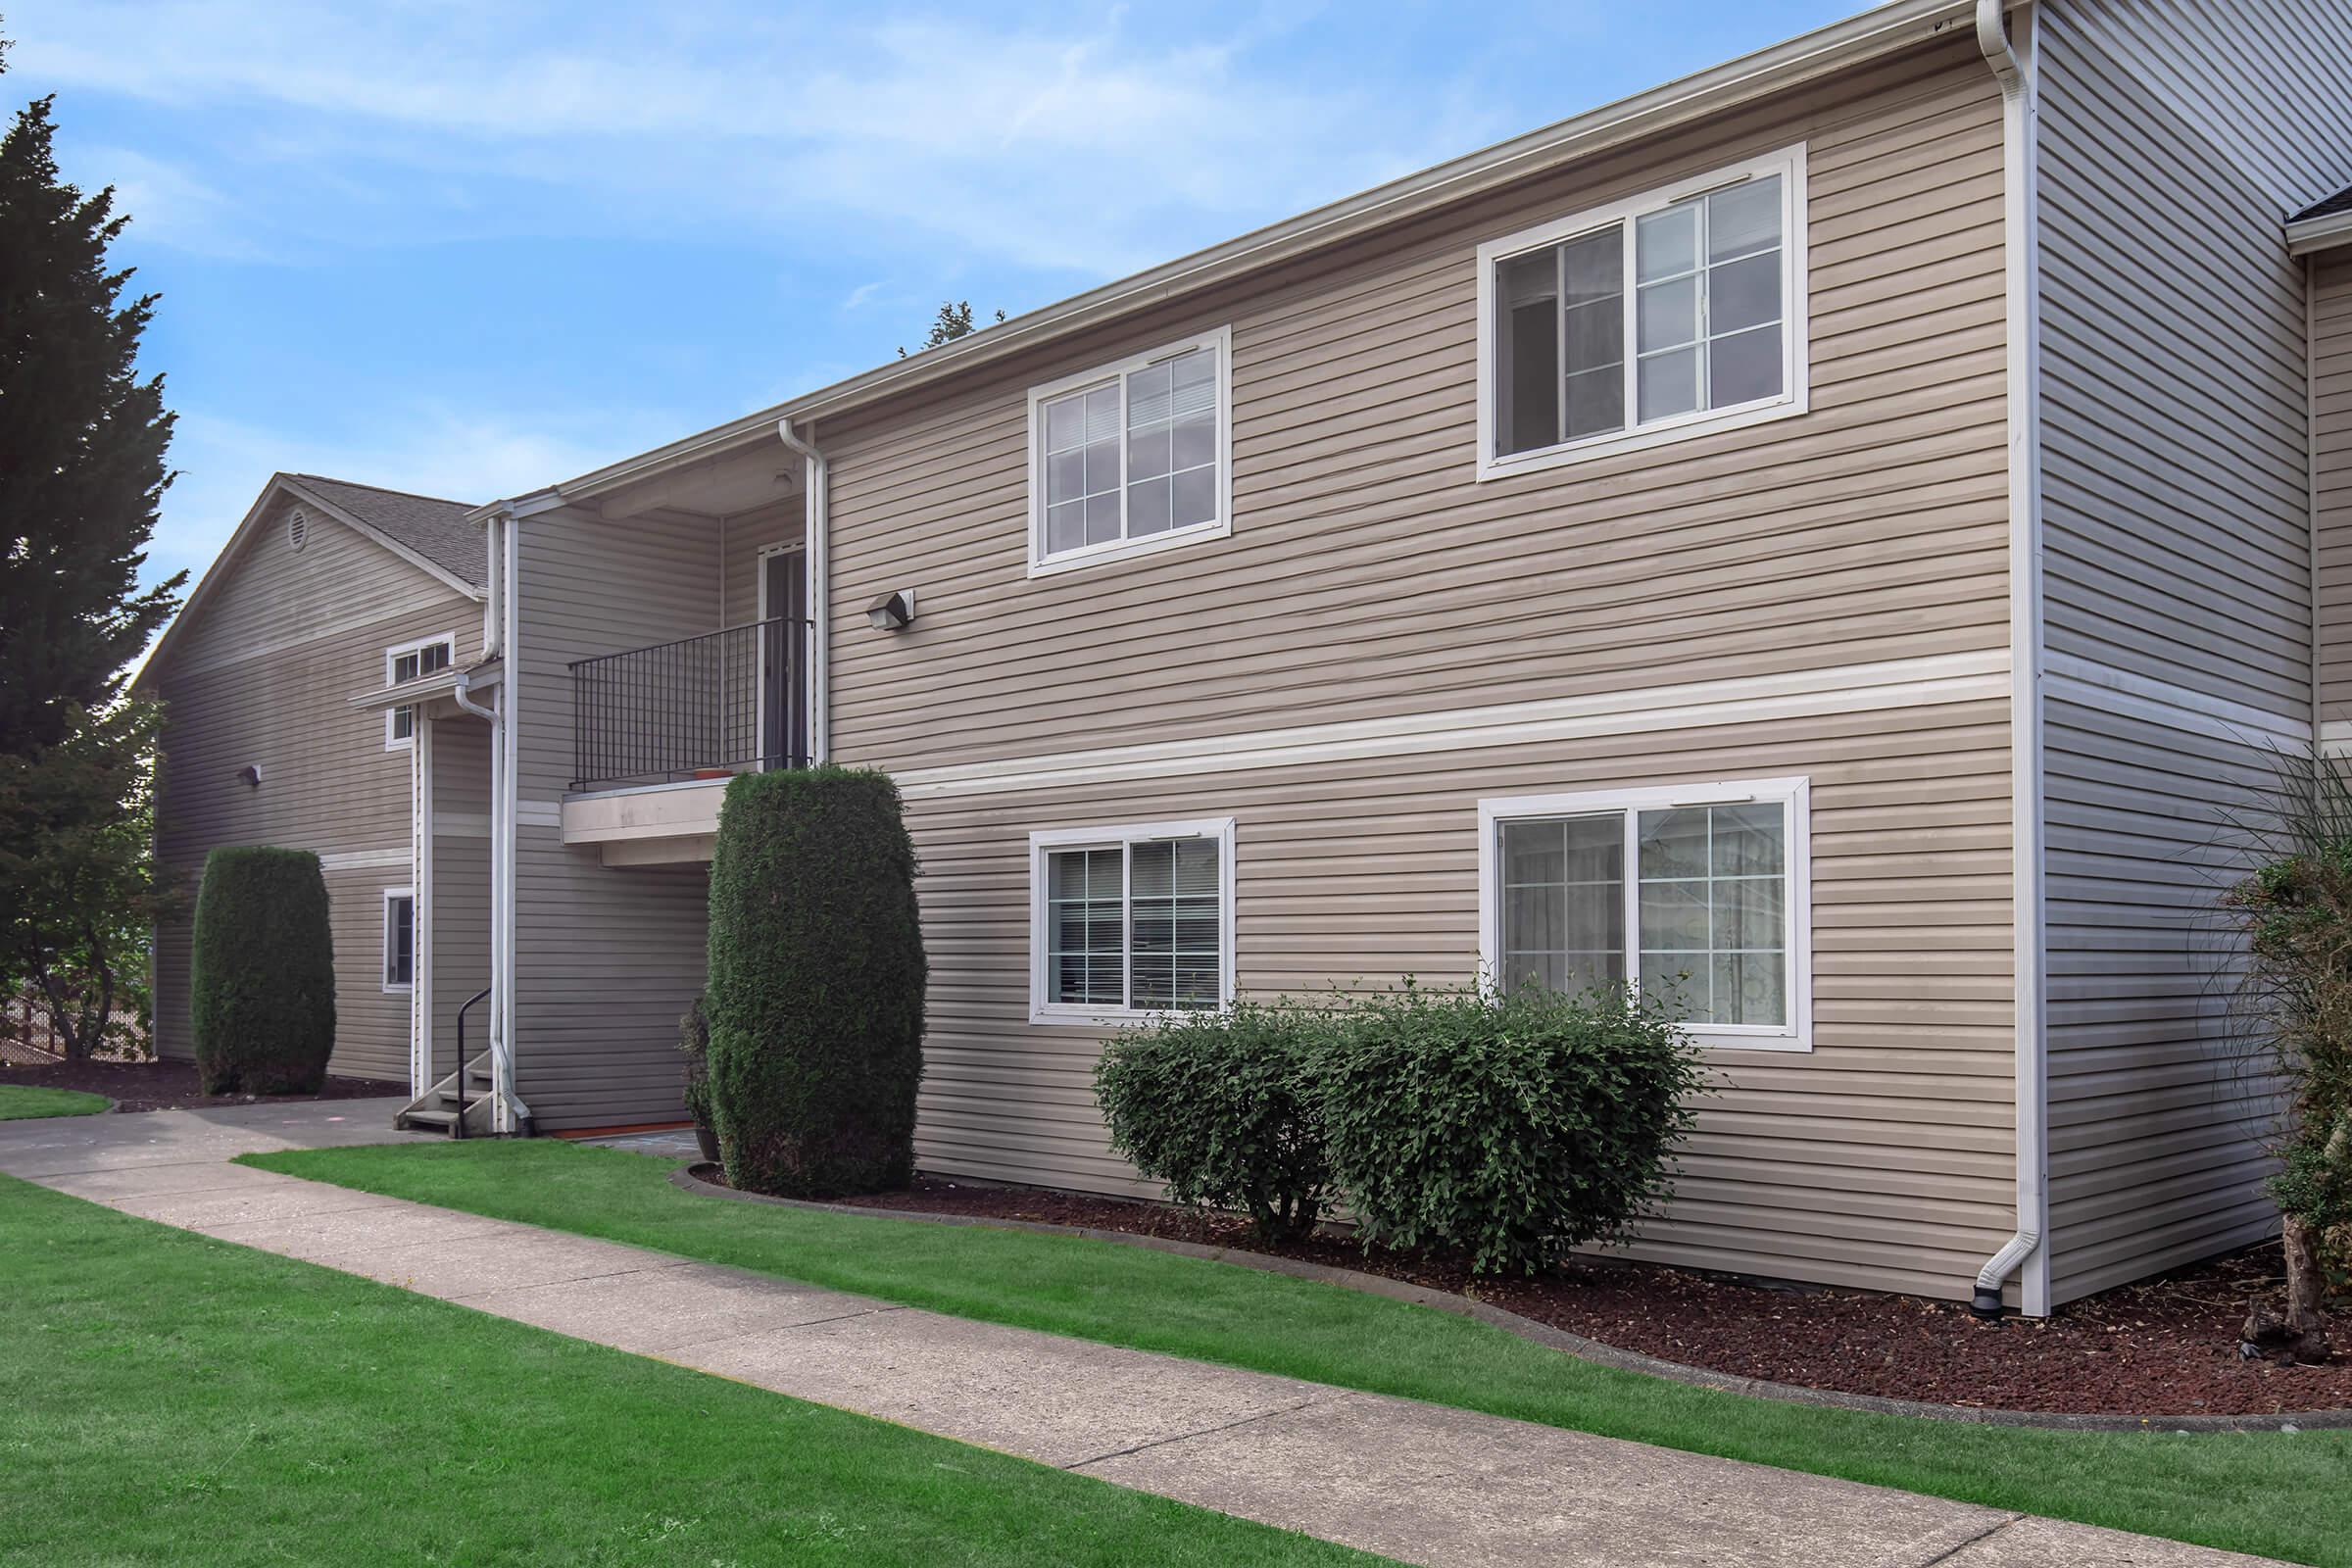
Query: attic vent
{"x": 297, "y": 527}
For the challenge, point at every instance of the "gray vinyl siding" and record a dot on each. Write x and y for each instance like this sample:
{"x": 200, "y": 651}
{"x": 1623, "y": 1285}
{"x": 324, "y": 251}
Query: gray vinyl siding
{"x": 604, "y": 959}
{"x": 2331, "y": 490}
{"x": 265, "y": 676}
{"x": 1370, "y": 575}
{"x": 2174, "y": 140}
{"x": 456, "y": 918}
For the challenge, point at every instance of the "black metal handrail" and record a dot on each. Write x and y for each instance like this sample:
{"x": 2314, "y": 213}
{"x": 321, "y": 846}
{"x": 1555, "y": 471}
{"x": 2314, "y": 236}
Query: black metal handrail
{"x": 725, "y": 702}
{"x": 456, "y": 1128}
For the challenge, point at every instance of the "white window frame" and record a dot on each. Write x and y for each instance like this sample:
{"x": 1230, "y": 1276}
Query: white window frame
{"x": 402, "y": 743}
{"x": 1042, "y": 1009}
{"x": 1789, "y": 163}
{"x": 1041, "y": 565}
{"x": 383, "y": 967}
{"x": 1794, "y": 797}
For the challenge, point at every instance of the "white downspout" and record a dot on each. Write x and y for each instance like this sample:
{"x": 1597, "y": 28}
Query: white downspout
{"x": 510, "y": 1114}
{"x": 2020, "y": 247}
{"x": 818, "y": 479}
{"x": 507, "y": 1108}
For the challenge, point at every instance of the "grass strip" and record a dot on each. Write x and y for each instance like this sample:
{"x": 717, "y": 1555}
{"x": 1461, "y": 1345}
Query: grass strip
{"x": 170, "y": 1398}
{"x": 2279, "y": 1494}
{"x": 28, "y": 1102}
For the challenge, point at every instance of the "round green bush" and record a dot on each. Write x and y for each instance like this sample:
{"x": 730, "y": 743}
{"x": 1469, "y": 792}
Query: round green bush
{"x": 1508, "y": 1129}
{"x": 262, "y": 983}
{"x": 1220, "y": 1107}
{"x": 816, "y": 984}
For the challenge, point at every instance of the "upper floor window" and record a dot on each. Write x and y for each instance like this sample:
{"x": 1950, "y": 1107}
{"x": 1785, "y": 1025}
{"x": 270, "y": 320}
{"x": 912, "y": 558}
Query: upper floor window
{"x": 1677, "y": 311}
{"x": 406, "y": 662}
{"x": 1132, "y": 458}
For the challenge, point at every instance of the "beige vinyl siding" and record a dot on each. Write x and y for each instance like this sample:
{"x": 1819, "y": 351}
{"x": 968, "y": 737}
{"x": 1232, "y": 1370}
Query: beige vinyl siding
{"x": 2176, "y": 554}
{"x": 457, "y": 918}
{"x": 1881, "y": 1158}
{"x": 604, "y": 959}
{"x": 265, "y": 676}
{"x": 747, "y": 536}
{"x": 1369, "y": 574}
{"x": 2332, "y": 455}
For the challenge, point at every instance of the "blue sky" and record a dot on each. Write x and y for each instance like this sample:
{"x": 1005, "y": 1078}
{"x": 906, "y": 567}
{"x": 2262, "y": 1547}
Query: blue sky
{"x": 470, "y": 248}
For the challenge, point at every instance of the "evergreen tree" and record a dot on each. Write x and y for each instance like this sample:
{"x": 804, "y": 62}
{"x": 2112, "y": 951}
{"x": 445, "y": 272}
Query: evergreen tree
{"x": 81, "y": 450}
{"x": 954, "y": 321}
{"x": 81, "y": 470}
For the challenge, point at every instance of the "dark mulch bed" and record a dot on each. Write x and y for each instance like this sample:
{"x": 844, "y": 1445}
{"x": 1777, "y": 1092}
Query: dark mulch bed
{"x": 2165, "y": 1347}
{"x": 170, "y": 1085}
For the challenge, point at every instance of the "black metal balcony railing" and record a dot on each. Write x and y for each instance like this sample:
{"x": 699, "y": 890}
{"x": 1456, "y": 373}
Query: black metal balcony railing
{"x": 727, "y": 702}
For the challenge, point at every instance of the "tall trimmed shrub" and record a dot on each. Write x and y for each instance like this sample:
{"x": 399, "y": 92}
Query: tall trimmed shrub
{"x": 264, "y": 973}
{"x": 1220, "y": 1107}
{"x": 1511, "y": 1129}
{"x": 694, "y": 1044}
{"x": 816, "y": 982}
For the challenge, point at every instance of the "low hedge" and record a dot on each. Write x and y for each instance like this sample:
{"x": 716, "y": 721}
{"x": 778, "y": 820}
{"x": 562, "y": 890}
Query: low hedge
{"x": 1508, "y": 1129}
{"x": 263, "y": 973}
{"x": 816, "y": 978}
{"x": 1220, "y": 1107}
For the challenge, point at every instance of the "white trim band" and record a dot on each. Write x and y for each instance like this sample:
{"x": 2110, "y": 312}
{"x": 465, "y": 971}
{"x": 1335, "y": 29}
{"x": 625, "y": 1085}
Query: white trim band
{"x": 1979, "y": 677}
{"x": 365, "y": 860}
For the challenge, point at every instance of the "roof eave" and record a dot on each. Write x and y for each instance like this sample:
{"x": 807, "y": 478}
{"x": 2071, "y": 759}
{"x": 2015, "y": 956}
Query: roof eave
{"x": 216, "y": 572}
{"x": 1886, "y": 29}
{"x": 2309, "y": 236}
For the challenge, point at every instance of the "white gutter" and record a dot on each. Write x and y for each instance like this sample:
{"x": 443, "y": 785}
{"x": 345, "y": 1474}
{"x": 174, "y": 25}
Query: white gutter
{"x": 2312, "y": 235}
{"x": 818, "y": 479}
{"x": 1882, "y": 29}
{"x": 2020, "y": 246}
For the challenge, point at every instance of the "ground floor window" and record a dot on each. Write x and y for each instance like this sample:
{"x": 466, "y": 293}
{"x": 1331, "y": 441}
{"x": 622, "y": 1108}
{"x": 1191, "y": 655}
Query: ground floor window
{"x": 1132, "y": 921}
{"x": 400, "y": 939}
{"x": 1696, "y": 894}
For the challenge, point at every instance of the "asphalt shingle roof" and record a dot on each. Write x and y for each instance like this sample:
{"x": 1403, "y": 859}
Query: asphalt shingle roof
{"x": 2340, "y": 201}
{"x": 435, "y": 528}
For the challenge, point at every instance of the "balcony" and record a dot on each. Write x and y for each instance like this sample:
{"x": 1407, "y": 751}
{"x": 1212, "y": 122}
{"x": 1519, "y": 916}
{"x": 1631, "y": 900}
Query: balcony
{"x": 701, "y": 708}
{"x": 657, "y": 733}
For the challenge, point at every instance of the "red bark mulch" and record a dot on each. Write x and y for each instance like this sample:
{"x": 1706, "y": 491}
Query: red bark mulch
{"x": 2166, "y": 1347}
{"x": 170, "y": 1085}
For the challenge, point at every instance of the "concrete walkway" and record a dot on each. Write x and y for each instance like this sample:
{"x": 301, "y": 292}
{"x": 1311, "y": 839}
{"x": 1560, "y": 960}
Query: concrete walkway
{"x": 1415, "y": 1482}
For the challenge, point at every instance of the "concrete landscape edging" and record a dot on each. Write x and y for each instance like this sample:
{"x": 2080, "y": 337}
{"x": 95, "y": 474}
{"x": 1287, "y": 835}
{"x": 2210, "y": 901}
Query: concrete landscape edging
{"x": 1561, "y": 1339}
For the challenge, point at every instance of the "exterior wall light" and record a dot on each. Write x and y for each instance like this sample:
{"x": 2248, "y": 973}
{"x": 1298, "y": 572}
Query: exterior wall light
{"x": 251, "y": 774}
{"x": 892, "y": 612}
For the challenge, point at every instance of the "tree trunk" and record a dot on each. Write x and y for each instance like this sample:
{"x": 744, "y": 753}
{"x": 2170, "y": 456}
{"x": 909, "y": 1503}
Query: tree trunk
{"x": 2301, "y": 1332}
{"x": 62, "y": 1031}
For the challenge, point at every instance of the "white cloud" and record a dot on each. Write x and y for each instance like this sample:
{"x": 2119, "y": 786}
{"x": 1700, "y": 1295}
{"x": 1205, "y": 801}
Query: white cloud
{"x": 1086, "y": 149}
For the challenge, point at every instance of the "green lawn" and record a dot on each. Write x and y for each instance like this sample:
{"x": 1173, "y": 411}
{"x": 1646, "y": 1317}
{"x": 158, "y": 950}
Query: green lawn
{"x": 2272, "y": 1494}
{"x": 24, "y": 1102}
{"x": 167, "y": 1399}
